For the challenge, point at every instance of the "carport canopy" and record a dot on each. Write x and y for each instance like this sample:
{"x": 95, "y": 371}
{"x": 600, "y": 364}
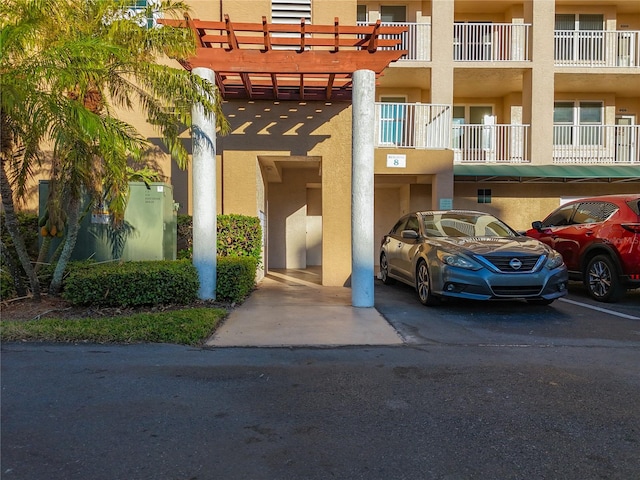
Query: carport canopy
{"x": 546, "y": 173}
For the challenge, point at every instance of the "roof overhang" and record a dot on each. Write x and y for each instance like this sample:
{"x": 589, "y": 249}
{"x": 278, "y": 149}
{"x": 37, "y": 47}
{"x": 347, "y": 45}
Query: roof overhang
{"x": 547, "y": 173}
{"x": 264, "y": 61}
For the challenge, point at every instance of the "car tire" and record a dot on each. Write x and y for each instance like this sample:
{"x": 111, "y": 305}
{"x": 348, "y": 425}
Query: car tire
{"x": 423, "y": 285}
{"x": 384, "y": 270}
{"x": 602, "y": 279}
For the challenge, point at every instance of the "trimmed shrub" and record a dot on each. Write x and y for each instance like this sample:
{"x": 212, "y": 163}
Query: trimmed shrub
{"x": 235, "y": 277}
{"x": 131, "y": 284}
{"x": 237, "y": 236}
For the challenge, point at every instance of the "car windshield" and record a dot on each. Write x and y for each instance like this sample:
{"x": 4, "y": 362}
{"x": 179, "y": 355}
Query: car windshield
{"x": 466, "y": 224}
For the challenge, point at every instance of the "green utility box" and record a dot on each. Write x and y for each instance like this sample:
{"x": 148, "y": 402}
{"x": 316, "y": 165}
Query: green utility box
{"x": 149, "y": 230}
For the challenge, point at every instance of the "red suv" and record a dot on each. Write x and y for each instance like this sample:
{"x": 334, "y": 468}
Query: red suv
{"x": 599, "y": 239}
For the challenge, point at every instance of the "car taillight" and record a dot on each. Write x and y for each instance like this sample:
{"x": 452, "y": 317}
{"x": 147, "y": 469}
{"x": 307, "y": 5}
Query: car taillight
{"x": 632, "y": 227}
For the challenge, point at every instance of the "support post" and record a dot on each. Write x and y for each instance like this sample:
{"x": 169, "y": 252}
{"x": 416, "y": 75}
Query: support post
{"x": 204, "y": 194}
{"x": 362, "y": 212}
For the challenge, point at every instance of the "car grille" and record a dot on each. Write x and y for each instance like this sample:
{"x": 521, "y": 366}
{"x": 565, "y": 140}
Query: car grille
{"x": 503, "y": 263}
{"x": 516, "y": 291}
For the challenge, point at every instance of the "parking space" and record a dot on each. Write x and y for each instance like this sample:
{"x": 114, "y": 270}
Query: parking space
{"x": 573, "y": 320}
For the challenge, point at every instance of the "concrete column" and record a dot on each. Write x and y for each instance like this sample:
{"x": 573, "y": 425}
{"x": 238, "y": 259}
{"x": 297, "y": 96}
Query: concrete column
{"x": 204, "y": 194}
{"x": 538, "y": 93}
{"x": 362, "y": 217}
{"x": 442, "y": 65}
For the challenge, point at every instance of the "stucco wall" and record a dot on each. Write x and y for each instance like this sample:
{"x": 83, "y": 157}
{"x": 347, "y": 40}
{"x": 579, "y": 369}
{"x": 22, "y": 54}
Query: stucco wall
{"x": 519, "y": 204}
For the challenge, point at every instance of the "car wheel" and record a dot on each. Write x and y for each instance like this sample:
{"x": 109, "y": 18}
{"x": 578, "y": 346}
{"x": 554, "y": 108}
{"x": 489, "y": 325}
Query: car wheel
{"x": 423, "y": 285}
{"x": 384, "y": 270}
{"x": 602, "y": 280}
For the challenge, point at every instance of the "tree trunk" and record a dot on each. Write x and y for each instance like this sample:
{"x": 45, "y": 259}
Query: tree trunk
{"x": 43, "y": 252}
{"x": 73, "y": 227}
{"x": 11, "y": 223}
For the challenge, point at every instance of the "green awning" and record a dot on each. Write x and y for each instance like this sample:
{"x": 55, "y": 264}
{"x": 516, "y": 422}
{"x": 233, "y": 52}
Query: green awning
{"x": 546, "y": 173}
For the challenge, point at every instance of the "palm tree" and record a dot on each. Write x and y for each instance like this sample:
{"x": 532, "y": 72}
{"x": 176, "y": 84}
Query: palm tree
{"x": 68, "y": 67}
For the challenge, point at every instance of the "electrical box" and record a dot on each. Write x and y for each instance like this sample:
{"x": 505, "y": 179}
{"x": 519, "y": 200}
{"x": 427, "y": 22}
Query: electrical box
{"x": 148, "y": 232}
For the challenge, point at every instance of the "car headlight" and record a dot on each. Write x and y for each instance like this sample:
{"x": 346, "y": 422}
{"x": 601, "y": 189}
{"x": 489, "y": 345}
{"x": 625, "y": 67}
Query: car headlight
{"x": 554, "y": 260}
{"x": 458, "y": 260}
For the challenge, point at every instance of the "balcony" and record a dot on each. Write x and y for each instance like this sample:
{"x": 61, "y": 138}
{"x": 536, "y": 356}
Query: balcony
{"x": 416, "y": 40}
{"x": 491, "y": 42}
{"x": 597, "y": 48}
{"x": 596, "y": 144}
{"x": 490, "y": 143}
{"x": 473, "y": 42}
{"x": 412, "y": 125}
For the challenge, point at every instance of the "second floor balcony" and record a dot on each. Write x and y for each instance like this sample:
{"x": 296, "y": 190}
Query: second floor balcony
{"x": 426, "y": 126}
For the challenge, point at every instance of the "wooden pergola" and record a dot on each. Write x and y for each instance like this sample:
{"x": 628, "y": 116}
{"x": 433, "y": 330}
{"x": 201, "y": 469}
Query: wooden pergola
{"x": 266, "y": 61}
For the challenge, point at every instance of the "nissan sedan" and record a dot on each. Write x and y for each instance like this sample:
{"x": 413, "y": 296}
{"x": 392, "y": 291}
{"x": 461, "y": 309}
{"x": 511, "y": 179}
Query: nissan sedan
{"x": 470, "y": 255}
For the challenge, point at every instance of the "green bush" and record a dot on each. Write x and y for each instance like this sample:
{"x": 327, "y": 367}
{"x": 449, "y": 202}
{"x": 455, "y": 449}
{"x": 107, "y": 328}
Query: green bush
{"x": 237, "y": 236}
{"x": 235, "y": 277}
{"x": 132, "y": 283}
{"x": 6, "y": 285}
{"x": 28, "y": 225}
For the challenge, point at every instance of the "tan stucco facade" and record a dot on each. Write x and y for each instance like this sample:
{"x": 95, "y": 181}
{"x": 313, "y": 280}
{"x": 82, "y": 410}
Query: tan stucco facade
{"x": 290, "y": 162}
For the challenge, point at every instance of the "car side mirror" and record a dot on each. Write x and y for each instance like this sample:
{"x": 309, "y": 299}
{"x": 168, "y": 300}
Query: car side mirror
{"x": 537, "y": 225}
{"x": 411, "y": 234}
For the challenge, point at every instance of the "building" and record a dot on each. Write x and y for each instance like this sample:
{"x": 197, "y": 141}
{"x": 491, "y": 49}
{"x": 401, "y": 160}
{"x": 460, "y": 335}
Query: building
{"x": 504, "y": 106}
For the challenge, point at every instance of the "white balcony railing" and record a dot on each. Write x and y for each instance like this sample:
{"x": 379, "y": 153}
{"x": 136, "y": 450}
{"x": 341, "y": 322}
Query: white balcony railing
{"x": 427, "y": 126}
{"x": 490, "y": 143}
{"x": 416, "y": 40}
{"x": 588, "y": 48}
{"x": 596, "y": 144}
{"x": 412, "y": 125}
{"x": 490, "y": 42}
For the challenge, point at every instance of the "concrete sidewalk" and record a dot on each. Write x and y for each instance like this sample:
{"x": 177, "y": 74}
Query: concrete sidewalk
{"x": 291, "y": 308}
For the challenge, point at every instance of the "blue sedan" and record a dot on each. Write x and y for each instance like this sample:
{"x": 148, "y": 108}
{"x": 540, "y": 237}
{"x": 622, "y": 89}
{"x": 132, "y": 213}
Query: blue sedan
{"x": 470, "y": 255}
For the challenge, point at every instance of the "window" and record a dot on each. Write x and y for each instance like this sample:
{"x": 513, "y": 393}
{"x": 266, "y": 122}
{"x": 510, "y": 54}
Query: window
{"x": 412, "y": 224}
{"x": 579, "y": 37}
{"x": 577, "y": 123}
{"x": 393, "y": 13}
{"x": 362, "y": 15}
{"x": 142, "y": 11}
{"x": 484, "y": 195}
{"x": 593, "y": 212}
{"x": 399, "y": 226}
{"x": 560, "y": 217}
{"x": 392, "y": 120}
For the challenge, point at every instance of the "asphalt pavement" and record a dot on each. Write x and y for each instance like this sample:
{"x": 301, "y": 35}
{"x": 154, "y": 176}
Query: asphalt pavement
{"x": 470, "y": 391}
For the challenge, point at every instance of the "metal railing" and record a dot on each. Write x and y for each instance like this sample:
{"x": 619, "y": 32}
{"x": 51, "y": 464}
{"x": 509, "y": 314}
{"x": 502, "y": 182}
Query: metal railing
{"x": 490, "y": 143}
{"x": 412, "y": 125}
{"x": 491, "y": 42}
{"x": 596, "y": 144}
{"x": 597, "y": 48}
{"x": 416, "y": 40}
{"x": 428, "y": 126}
